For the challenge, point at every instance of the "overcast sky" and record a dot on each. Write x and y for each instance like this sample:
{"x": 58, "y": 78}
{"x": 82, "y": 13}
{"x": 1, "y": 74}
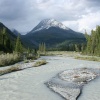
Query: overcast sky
{"x": 24, "y": 15}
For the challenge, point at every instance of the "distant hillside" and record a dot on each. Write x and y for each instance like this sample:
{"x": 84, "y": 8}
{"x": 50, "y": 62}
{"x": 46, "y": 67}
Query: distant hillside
{"x": 53, "y": 32}
{"x": 28, "y": 43}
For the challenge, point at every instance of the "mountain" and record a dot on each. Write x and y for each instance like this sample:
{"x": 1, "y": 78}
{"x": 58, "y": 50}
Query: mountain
{"x": 53, "y": 32}
{"x": 10, "y": 39}
{"x": 55, "y": 28}
{"x": 15, "y": 32}
{"x": 47, "y": 23}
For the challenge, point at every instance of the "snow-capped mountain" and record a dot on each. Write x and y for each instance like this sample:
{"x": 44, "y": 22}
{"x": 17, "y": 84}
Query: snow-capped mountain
{"x": 47, "y": 23}
{"x": 53, "y": 32}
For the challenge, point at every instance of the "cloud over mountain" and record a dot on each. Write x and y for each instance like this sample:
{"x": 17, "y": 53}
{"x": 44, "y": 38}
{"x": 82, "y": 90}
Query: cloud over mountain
{"x": 25, "y": 14}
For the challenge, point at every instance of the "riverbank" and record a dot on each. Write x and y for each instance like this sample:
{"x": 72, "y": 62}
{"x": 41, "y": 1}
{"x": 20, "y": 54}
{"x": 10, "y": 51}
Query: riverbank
{"x": 76, "y": 55}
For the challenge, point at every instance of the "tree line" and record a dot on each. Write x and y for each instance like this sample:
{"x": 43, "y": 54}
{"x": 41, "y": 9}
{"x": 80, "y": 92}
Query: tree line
{"x": 93, "y": 42}
{"x": 91, "y": 47}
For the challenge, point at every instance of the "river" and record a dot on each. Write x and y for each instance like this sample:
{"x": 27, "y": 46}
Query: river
{"x": 29, "y": 84}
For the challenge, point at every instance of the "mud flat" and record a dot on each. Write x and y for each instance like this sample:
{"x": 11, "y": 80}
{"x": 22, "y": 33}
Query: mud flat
{"x": 69, "y": 83}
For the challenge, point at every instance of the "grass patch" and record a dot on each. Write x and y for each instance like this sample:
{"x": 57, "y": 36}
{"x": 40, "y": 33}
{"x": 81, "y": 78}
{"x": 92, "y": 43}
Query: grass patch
{"x": 76, "y": 55}
{"x": 9, "y": 70}
{"x": 62, "y": 53}
{"x": 90, "y": 58}
{"x": 39, "y": 63}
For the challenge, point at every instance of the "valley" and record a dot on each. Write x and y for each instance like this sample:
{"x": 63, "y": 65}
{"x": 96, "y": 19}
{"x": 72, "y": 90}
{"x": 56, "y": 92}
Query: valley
{"x": 49, "y": 49}
{"x": 49, "y": 62}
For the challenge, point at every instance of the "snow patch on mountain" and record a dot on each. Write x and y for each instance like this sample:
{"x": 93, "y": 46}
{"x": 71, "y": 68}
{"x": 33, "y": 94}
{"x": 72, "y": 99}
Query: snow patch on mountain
{"x": 47, "y": 23}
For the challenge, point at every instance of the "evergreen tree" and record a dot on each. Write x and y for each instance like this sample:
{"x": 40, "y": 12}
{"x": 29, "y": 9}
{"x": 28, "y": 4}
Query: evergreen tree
{"x": 97, "y": 49}
{"x": 29, "y": 50}
{"x": 82, "y": 47}
{"x": 88, "y": 46}
{"x": 76, "y": 48}
{"x": 93, "y": 42}
{"x": 3, "y": 35}
{"x": 18, "y": 47}
{"x": 42, "y": 48}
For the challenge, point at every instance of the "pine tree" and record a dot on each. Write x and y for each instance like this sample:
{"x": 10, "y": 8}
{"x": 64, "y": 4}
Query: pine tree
{"x": 76, "y": 48}
{"x": 88, "y": 40}
{"x": 44, "y": 48}
{"x": 97, "y": 49}
{"x": 28, "y": 50}
{"x": 39, "y": 47}
{"x": 3, "y": 35}
{"x": 18, "y": 47}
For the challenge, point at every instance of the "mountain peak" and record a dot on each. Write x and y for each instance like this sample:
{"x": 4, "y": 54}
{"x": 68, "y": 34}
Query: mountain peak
{"x": 47, "y": 23}
{"x": 47, "y": 20}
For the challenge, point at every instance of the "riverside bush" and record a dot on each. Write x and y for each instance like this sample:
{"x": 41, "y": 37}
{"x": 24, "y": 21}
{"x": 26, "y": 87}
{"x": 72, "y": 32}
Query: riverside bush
{"x": 39, "y": 63}
{"x": 7, "y": 59}
{"x": 9, "y": 70}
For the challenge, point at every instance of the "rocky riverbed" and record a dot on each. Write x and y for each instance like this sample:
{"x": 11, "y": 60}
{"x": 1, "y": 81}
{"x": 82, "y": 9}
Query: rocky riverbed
{"x": 69, "y": 83}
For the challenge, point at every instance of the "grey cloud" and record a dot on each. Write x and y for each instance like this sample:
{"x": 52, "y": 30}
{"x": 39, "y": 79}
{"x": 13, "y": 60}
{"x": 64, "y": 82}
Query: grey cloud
{"x": 12, "y": 10}
{"x": 25, "y": 14}
{"x": 93, "y": 5}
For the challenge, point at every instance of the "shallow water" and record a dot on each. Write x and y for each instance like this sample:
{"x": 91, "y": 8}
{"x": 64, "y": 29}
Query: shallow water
{"x": 91, "y": 91}
{"x": 29, "y": 84}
